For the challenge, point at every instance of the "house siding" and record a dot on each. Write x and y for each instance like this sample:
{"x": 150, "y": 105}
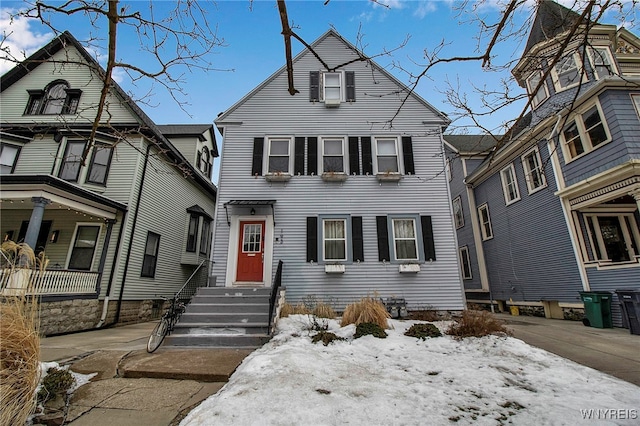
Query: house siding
{"x": 612, "y": 280}
{"x": 268, "y": 111}
{"x": 530, "y": 256}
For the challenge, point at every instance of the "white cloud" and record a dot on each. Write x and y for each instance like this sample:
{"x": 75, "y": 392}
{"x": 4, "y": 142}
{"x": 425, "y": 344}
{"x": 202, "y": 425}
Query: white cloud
{"x": 424, "y": 8}
{"x": 20, "y": 40}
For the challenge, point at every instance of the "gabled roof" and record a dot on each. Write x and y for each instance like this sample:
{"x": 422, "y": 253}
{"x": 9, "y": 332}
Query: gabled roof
{"x": 66, "y": 39}
{"x": 332, "y": 32}
{"x": 190, "y": 130}
{"x": 472, "y": 144}
{"x": 551, "y": 19}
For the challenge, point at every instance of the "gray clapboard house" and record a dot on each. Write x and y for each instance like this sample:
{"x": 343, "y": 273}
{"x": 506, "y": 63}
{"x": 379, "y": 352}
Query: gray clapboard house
{"x": 130, "y": 224}
{"x": 321, "y": 181}
{"x": 554, "y": 210}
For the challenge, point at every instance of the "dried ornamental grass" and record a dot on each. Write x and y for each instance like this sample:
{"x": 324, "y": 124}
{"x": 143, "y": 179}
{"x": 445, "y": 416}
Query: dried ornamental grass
{"x": 477, "y": 324}
{"x": 323, "y": 310}
{"x": 289, "y": 309}
{"x": 19, "y": 341}
{"x": 367, "y": 310}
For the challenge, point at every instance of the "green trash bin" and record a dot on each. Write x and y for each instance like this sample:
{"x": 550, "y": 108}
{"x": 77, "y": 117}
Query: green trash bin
{"x": 597, "y": 308}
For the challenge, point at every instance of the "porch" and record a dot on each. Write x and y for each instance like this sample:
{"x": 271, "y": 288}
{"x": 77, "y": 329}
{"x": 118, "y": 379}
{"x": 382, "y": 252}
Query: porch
{"x": 48, "y": 282}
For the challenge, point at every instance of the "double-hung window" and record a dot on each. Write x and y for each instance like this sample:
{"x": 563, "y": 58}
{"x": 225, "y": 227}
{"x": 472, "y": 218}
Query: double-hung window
{"x": 601, "y": 61}
{"x": 614, "y": 237}
{"x": 485, "y": 222}
{"x": 72, "y": 160}
{"x": 334, "y": 240}
{"x": 387, "y": 156}
{"x": 457, "y": 212}
{"x": 279, "y": 155}
{"x": 333, "y": 157}
{"x": 584, "y": 133}
{"x": 540, "y": 95}
{"x": 204, "y": 238}
{"x": 405, "y": 239}
{"x": 509, "y": 184}
{"x": 567, "y": 72}
{"x": 192, "y": 233}
{"x": 150, "y": 258}
{"x": 465, "y": 263}
{"x": 99, "y": 166}
{"x": 332, "y": 87}
{"x": 8, "y": 158}
{"x": 84, "y": 247}
{"x": 533, "y": 170}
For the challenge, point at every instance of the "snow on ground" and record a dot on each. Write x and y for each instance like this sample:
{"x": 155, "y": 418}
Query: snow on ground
{"x": 402, "y": 380}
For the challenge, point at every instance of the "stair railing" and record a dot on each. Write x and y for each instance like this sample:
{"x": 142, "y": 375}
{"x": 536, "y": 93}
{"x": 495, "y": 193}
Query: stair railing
{"x": 194, "y": 281}
{"x": 275, "y": 291}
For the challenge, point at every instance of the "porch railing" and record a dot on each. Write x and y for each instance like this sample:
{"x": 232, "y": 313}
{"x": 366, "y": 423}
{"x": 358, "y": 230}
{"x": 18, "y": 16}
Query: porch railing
{"x": 275, "y": 291}
{"x": 47, "y": 282}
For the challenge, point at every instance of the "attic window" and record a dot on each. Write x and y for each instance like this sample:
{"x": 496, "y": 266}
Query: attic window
{"x": 56, "y": 98}
{"x": 332, "y": 87}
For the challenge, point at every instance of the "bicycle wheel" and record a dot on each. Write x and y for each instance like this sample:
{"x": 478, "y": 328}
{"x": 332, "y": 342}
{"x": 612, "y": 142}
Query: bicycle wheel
{"x": 157, "y": 335}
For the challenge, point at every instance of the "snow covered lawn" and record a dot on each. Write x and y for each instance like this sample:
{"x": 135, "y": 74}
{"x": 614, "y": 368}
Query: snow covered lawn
{"x": 402, "y": 380}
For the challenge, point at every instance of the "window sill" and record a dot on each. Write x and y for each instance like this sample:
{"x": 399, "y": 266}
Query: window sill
{"x": 334, "y": 176}
{"x": 389, "y": 177}
{"x": 277, "y": 177}
{"x": 409, "y": 268}
{"x": 334, "y": 269}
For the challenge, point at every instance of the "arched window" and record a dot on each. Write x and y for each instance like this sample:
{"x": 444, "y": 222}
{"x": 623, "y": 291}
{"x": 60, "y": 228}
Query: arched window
{"x": 56, "y": 98}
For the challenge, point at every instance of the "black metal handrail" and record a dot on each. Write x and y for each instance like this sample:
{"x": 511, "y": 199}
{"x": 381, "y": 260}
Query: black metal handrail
{"x": 277, "y": 282}
{"x": 196, "y": 280}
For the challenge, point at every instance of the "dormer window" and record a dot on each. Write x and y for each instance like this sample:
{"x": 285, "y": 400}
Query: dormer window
{"x": 567, "y": 72}
{"x": 542, "y": 93}
{"x": 56, "y": 98}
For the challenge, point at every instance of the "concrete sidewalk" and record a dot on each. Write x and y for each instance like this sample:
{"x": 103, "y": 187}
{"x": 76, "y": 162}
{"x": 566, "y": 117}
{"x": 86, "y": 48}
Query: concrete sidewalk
{"x": 611, "y": 350}
{"x": 133, "y": 387}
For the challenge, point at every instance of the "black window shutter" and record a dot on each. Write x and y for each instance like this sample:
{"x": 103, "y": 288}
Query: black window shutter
{"x": 427, "y": 238}
{"x": 258, "y": 147}
{"x": 298, "y": 164}
{"x": 357, "y": 240}
{"x": 351, "y": 86}
{"x": 312, "y": 156}
{"x": 407, "y": 153}
{"x": 354, "y": 156}
{"x": 314, "y": 86}
{"x": 367, "y": 160}
{"x": 312, "y": 239}
{"x": 383, "y": 238}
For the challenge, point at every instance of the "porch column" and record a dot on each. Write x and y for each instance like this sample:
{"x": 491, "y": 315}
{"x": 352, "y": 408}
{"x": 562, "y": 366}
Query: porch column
{"x": 31, "y": 237}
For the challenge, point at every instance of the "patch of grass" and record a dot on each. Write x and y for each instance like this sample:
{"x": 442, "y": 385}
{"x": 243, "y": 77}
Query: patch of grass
{"x": 422, "y": 331}
{"x": 477, "y": 324}
{"x": 369, "y": 328}
{"x": 367, "y": 310}
{"x": 56, "y": 382}
{"x": 326, "y": 337}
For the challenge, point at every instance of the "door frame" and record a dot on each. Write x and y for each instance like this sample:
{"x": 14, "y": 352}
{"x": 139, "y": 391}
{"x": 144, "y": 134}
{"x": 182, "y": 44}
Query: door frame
{"x": 232, "y": 253}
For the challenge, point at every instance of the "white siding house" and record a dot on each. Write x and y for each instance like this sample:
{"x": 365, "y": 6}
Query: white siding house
{"x": 349, "y": 195}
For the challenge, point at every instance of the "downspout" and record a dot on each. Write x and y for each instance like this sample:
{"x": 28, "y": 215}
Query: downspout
{"x": 105, "y": 305}
{"x": 560, "y": 185}
{"x": 133, "y": 228}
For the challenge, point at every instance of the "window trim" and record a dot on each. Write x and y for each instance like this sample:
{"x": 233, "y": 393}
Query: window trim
{"x": 342, "y": 139}
{"x": 509, "y": 172}
{"x": 416, "y": 239}
{"x": 150, "y": 258}
{"x": 635, "y": 99}
{"x": 205, "y": 236}
{"x": 341, "y": 87}
{"x": 96, "y": 147}
{"x": 577, "y": 118}
{"x": 290, "y": 155}
{"x": 463, "y": 252}
{"x": 398, "y": 155}
{"x": 483, "y": 225}
{"x": 534, "y": 96}
{"x": 192, "y": 237}
{"x": 15, "y": 158}
{"x": 630, "y": 233}
{"x": 458, "y": 219}
{"x": 528, "y": 173}
{"x": 579, "y": 69}
{"x": 74, "y": 240}
{"x": 63, "y": 160}
{"x": 591, "y": 52}
{"x": 345, "y": 239}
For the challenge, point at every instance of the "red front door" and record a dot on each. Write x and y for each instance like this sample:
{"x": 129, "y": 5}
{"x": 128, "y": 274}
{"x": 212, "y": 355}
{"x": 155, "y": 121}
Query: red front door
{"x": 251, "y": 251}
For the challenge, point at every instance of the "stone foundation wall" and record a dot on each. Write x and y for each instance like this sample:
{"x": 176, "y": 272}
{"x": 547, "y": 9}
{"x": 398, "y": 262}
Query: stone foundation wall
{"x": 84, "y": 314}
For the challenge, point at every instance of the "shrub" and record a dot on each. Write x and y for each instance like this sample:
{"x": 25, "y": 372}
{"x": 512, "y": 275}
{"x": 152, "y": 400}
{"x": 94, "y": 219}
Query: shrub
{"x": 326, "y": 337}
{"x": 422, "y": 331}
{"x": 369, "y": 328}
{"x": 288, "y": 309}
{"x": 20, "y": 345}
{"x": 323, "y": 310}
{"x": 477, "y": 324}
{"x": 56, "y": 382}
{"x": 367, "y": 310}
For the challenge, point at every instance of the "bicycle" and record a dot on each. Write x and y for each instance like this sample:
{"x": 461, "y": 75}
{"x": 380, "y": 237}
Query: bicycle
{"x": 166, "y": 324}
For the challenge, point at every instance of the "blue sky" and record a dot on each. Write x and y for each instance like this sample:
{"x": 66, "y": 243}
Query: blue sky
{"x": 254, "y": 47}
